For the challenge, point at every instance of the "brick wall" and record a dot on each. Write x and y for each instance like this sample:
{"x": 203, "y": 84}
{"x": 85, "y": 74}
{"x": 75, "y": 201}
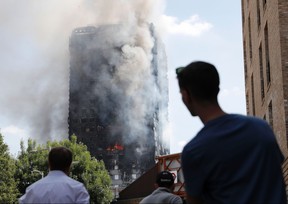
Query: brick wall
{"x": 285, "y": 173}
{"x": 273, "y": 17}
{"x": 283, "y": 22}
{"x": 283, "y": 19}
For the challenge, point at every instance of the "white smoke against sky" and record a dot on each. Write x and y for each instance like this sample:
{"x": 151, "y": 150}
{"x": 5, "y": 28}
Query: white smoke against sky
{"x": 34, "y": 38}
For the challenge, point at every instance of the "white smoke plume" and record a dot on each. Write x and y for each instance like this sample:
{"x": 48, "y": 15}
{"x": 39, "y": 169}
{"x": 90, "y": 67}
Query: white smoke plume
{"x": 34, "y": 53}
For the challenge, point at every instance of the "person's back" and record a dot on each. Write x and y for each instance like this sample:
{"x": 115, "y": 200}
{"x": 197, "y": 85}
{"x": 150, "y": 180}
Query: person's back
{"x": 57, "y": 186}
{"x": 233, "y": 158}
{"x": 239, "y": 162}
{"x": 163, "y": 193}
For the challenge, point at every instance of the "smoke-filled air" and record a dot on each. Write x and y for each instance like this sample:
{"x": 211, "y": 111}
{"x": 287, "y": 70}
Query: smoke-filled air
{"x": 34, "y": 53}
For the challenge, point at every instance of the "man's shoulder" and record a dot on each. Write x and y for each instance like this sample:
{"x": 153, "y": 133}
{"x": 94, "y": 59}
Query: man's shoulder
{"x": 232, "y": 123}
{"x": 247, "y": 118}
{"x": 227, "y": 124}
{"x": 255, "y": 124}
{"x": 56, "y": 180}
{"x": 176, "y": 198}
{"x": 73, "y": 182}
{"x": 37, "y": 183}
{"x": 161, "y": 196}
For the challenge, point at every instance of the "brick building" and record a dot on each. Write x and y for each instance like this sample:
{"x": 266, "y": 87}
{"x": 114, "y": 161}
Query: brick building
{"x": 118, "y": 104}
{"x": 265, "y": 42}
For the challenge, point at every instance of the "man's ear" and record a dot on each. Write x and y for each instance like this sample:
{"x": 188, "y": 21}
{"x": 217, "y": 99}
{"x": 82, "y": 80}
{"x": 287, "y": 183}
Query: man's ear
{"x": 185, "y": 96}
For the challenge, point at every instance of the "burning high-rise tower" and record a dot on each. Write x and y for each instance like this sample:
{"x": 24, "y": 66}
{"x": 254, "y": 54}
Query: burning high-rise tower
{"x": 118, "y": 103}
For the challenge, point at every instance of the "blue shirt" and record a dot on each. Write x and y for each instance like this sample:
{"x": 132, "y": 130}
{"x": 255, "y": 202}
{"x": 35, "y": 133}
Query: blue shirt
{"x": 234, "y": 159}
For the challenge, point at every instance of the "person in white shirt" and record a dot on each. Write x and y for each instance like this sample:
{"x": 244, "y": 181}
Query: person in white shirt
{"x": 57, "y": 186}
{"x": 163, "y": 193}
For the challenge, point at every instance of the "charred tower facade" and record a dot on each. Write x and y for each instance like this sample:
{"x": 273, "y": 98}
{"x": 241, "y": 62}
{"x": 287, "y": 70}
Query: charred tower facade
{"x": 118, "y": 98}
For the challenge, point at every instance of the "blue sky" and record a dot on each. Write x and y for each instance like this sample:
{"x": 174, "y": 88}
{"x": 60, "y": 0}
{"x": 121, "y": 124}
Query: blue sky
{"x": 192, "y": 30}
{"x": 219, "y": 43}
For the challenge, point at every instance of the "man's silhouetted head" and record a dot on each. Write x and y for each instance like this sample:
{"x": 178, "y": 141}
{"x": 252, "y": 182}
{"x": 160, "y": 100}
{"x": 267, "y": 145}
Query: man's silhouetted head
{"x": 60, "y": 158}
{"x": 165, "y": 179}
{"x": 200, "y": 80}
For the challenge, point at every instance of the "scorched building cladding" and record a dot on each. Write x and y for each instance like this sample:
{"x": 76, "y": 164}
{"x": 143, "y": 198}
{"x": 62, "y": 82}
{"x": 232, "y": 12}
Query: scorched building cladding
{"x": 101, "y": 113}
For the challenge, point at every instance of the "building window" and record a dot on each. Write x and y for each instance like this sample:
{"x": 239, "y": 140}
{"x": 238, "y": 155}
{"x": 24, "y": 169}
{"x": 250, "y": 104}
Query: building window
{"x": 264, "y": 3}
{"x": 84, "y": 112}
{"x": 92, "y": 129}
{"x": 92, "y": 120}
{"x": 116, "y": 177}
{"x": 247, "y": 102}
{"x": 258, "y": 14}
{"x": 245, "y": 58}
{"x": 250, "y": 39}
{"x": 270, "y": 110}
{"x": 267, "y": 56}
{"x": 92, "y": 112}
{"x": 261, "y": 72}
{"x": 253, "y": 97}
{"x": 243, "y": 12}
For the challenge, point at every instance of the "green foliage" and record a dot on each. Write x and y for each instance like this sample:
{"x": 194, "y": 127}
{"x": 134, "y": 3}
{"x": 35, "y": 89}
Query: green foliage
{"x": 98, "y": 182}
{"x": 85, "y": 168}
{"x": 31, "y": 162}
{"x": 8, "y": 190}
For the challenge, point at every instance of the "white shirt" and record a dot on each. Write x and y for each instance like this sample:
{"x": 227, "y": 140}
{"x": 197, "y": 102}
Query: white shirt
{"x": 56, "y": 187}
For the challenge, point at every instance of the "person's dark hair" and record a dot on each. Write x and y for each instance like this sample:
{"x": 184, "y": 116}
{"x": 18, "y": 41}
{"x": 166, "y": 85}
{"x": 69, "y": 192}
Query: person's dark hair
{"x": 165, "y": 179}
{"x": 200, "y": 79}
{"x": 60, "y": 158}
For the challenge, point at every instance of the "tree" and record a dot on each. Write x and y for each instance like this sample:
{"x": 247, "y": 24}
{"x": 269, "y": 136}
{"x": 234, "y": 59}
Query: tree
{"x": 33, "y": 164}
{"x": 8, "y": 188}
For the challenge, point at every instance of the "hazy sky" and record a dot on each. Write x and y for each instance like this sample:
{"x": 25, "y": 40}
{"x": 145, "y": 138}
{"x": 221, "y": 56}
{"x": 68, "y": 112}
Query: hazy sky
{"x": 191, "y": 30}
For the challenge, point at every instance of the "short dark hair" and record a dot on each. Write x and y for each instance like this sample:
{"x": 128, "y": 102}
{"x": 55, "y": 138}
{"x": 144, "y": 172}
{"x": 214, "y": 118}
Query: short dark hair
{"x": 60, "y": 158}
{"x": 201, "y": 79}
{"x": 165, "y": 179}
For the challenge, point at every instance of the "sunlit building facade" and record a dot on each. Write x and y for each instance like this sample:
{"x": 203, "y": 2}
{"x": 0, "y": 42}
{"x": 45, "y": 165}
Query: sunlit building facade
{"x": 265, "y": 31}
